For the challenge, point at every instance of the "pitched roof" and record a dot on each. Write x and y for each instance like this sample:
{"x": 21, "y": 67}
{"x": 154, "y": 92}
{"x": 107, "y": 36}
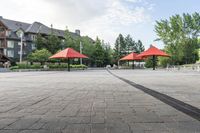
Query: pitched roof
{"x": 35, "y": 27}
{"x": 38, "y": 27}
{"x": 14, "y": 25}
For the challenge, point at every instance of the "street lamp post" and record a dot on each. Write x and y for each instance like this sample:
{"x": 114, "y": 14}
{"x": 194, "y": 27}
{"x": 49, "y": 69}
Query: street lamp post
{"x": 81, "y": 47}
{"x": 133, "y": 66}
{"x": 118, "y": 53}
{"x": 21, "y": 48}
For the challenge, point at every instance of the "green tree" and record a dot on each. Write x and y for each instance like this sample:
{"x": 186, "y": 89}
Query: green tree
{"x": 41, "y": 56}
{"x": 130, "y": 44}
{"x": 98, "y": 54}
{"x": 52, "y": 43}
{"x": 88, "y": 48}
{"x": 120, "y": 48}
{"x": 179, "y": 35}
{"x": 71, "y": 40}
{"x": 107, "y": 53}
{"x": 149, "y": 62}
{"x": 139, "y": 47}
{"x": 40, "y": 42}
{"x": 163, "y": 61}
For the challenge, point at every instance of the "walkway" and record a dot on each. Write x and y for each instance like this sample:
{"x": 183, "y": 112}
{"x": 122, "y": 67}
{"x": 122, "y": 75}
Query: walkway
{"x": 93, "y": 102}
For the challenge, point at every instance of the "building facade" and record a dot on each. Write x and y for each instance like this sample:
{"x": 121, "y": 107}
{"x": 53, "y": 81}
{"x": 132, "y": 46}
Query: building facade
{"x": 11, "y": 32}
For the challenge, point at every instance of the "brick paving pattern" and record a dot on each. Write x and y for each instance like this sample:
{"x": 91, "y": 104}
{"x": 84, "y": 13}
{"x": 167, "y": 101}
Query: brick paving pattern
{"x": 91, "y": 101}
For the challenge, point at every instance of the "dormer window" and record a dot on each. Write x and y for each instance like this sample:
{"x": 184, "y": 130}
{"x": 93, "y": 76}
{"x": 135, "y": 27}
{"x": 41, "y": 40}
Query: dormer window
{"x": 33, "y": 37}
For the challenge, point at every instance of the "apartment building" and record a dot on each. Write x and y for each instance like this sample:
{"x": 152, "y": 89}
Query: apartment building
{"x": 10, "y": 37}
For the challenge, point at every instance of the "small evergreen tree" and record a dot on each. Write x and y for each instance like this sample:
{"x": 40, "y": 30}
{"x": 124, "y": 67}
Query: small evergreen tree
{"x": 98, "y": 54}
{"x": 120, "y": 48}
{"x": 139, "y": 47}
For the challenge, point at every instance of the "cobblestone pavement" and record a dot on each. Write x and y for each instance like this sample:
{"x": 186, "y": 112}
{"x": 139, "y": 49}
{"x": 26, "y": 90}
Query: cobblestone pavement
{"x": 91, "y": 101}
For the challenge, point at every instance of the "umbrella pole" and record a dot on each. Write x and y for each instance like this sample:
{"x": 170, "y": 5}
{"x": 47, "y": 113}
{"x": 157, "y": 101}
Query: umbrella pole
{"x": 154, "y": 62}
{"x": 68, "y": 61}
{"x": 133, "y": 65}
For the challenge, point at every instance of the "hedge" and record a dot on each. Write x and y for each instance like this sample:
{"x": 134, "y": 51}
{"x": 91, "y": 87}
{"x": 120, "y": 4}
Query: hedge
{"x": 66, "y": 66}
{"x": 26, "y": 66}
{"x": 52, "y": 66}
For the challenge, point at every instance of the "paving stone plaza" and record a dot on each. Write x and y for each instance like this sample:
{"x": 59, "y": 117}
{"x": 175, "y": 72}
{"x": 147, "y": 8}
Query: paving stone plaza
{"x": 94, "y": 101}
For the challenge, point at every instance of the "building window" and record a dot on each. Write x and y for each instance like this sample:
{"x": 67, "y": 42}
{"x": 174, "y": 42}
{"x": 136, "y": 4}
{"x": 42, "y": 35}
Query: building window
{"x": 10, "y": 53}
{"x": 8, "y": 33}
{"x": 5, "y": 52}
{"x": 33, "y": 46}
{"x": 10, "y": 44}
{"x": 33, "y": 37}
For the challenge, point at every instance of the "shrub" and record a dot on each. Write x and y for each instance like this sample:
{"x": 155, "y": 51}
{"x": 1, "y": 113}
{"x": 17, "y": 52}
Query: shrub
{"x": 35, "y": 66}
{"x": 66, "y": 66}
{"x": 23, "y": 66}
{"x": 63, "y": 65}
{"x": 39, "y": 56}
{"x": 78, "y": 66}
{"x": 57, "y": 66}
{"x": 163, "y": 61}
{"x": 148, "y": 63}
{"x": 26, "y": 66}
{"x": 53, "y": 66}
{"x": 14, "y": 67}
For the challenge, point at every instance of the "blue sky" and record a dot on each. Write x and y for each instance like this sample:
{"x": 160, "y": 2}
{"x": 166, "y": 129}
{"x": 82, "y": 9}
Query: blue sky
{"x": 103, "y": 18}
{"x": 163, "y": 9}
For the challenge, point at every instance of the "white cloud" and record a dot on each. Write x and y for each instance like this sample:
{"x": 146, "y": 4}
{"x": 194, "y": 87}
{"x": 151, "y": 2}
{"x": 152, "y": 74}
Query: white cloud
{"x": 27, "y": 11}
{"x": 105, "y": 18}
{"x": 117, "y": 17}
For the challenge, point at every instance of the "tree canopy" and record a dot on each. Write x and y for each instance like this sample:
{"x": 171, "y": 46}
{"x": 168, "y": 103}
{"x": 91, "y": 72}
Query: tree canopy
{"x": 52, "y": 43}
{"x": 100, "y": 53}
{"x": 124, "y": 46}
{"x": 39, "y": 56}
{"x": 71, "y": 40}
{"x": 180, "y": 36}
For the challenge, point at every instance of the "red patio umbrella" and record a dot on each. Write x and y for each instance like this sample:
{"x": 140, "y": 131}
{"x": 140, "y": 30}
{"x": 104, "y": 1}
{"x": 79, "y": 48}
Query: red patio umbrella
{"x": 153, "y": 51}
{"x": 132, "y": 56}
{"x": 68, "y": 54}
